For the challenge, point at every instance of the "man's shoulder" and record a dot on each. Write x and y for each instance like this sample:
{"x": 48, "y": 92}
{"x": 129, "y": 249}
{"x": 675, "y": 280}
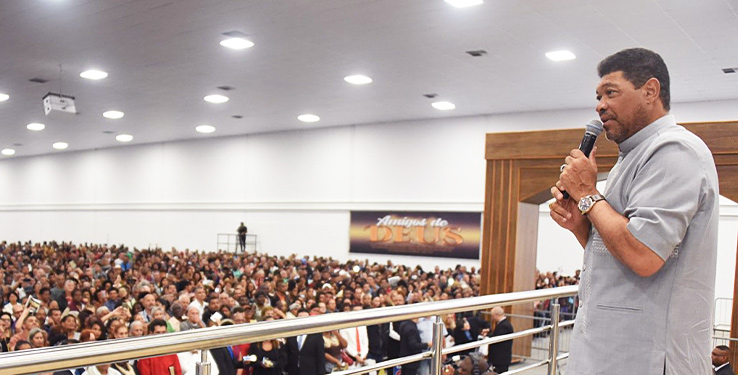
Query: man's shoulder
{"x": 679, "y": 135}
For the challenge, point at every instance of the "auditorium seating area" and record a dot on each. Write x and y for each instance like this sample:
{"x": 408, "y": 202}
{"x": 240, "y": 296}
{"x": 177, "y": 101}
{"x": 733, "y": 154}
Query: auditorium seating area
{"x": 86, "y": 292}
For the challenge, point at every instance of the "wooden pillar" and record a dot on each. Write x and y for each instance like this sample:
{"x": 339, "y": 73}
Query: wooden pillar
{"x": 728, "y": 175}
{"x": 734, "y": 322}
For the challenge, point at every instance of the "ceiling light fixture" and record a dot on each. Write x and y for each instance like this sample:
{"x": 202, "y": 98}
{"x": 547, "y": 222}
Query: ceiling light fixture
{"x": 357, "y": 79}
{"x": 205, "y": 129}
{"x": 562, "y": 55}
{"x": 236, "y": 43}
{"x": 4, "y": 97}
{"x": 93, "y": 74}
{"x": 36, "y": 126}
{"x": 60, "y": 145}
{"x": 308, "y": 118}
{"x": 215, "y": 98}
{"x": 114, "y": 115}
{"x": 443, "y": 106}
{"x": 8, "y": 152}
{"x": 123, "y": 137}
{"x": 464, "y": 3}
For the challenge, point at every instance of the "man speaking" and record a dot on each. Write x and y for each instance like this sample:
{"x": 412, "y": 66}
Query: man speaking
{"x": 650, "y": 238}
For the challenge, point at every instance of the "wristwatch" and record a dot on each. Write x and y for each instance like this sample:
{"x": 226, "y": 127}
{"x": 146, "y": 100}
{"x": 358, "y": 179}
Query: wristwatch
{"x": 586, "y": 203}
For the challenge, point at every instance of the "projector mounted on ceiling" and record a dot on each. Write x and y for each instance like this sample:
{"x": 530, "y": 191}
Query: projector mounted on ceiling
{"x": 58, "y": 103}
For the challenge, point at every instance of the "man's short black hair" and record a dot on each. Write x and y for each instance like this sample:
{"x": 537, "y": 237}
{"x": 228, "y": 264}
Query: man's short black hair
{"x": 638, "y": 66}
{"x": 723, "y": 347}
{"x": 142, "y": 295}
{"x": 237, "y": 310}
{"x": 156, "y": 323}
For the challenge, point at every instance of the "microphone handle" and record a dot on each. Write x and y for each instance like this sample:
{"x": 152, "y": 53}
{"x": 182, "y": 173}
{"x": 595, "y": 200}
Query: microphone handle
{"x": 588, "y": 142}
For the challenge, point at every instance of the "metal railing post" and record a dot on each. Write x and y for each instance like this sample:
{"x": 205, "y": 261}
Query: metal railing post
{"x": 437, "y": 358}
{"x": 553, "y": 345}
{"x": 203, "y": 367}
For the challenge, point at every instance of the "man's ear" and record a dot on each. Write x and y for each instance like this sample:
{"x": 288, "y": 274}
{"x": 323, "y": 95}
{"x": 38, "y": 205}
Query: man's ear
{"x": 652, "y": 90}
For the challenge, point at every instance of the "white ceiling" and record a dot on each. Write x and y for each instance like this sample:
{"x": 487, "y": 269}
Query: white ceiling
{"x": 163, "y": 57}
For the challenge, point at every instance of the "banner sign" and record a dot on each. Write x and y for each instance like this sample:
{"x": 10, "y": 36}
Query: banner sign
{"x": 434, "y": 234}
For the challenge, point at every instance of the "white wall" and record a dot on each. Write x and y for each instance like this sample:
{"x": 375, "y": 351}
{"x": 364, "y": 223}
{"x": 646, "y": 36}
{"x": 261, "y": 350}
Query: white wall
{"x": 293, "y": 189}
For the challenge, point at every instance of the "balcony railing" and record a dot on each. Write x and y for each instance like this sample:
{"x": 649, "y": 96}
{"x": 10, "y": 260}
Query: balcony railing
{"x": 110, "y": 351}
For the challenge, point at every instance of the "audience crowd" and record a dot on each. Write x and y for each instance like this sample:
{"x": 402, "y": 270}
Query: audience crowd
{"x": 64, "y": 293}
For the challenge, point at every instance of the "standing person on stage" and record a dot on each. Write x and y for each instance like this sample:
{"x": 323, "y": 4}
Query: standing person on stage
{"x": 647, "y": 283}
{"x": 242, "y": 230}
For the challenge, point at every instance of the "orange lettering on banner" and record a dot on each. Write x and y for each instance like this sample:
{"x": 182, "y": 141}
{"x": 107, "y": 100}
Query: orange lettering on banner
{"x": 451, "y": 237}
{"x": 402, "y": 234}
{"x": 422, "y": 235}
{"x": 374, "y": 233}
{"x": 423, "y": 238}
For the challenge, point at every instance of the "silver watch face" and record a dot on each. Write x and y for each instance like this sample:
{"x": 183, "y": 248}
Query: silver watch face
{"x": 585, "y": 203}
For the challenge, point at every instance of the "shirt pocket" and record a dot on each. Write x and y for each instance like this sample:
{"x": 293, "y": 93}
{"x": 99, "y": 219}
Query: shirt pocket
{"x": 625, "y": 309}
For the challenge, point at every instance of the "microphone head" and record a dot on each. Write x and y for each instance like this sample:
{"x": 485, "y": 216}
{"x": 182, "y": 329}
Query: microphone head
{"x": 594, "y": 127}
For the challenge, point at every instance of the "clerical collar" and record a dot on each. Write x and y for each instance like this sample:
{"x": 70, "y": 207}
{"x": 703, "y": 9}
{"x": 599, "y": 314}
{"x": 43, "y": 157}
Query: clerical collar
{"x": 629, "y": 144}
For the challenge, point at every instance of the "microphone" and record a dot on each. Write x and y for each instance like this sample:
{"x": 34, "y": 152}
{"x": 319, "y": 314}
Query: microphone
{"x": 592, "y": 130}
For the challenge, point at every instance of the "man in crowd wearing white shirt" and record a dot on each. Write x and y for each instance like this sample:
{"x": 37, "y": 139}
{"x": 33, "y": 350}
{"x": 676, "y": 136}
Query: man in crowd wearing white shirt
{"x": 358, "y": 342}
{"x": 199, "y": 301}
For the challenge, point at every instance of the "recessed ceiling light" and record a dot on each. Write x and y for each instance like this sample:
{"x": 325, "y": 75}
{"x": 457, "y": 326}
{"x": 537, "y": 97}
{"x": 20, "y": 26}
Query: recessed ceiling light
{"x": 358, "y": 79}
{"x": 464, "y": 3}
{"x": 35, "y": 126}
{"x": 4, "y": 97}
{"x": 113, "y": 114}
{"x": 560, "y": 55}
{"x": 215, "y": 98}
{"x": 236, "y": 43}
{"x": 205, "y": 129}
{"x": 308, "y": 118}
{"x": 123, "y": 137}
{"x": 60, "y": 145}
{"x": 8, "y": 152}
{"x": 443, "y": 106}
{"x": 93, "y": 74}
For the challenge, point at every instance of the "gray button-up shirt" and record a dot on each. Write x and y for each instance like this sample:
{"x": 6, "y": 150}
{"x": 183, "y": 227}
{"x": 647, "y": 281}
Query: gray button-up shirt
{"x": 666, "y": 184}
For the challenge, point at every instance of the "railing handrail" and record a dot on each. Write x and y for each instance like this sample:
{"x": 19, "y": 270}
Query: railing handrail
{"x": 110, "y": 351}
